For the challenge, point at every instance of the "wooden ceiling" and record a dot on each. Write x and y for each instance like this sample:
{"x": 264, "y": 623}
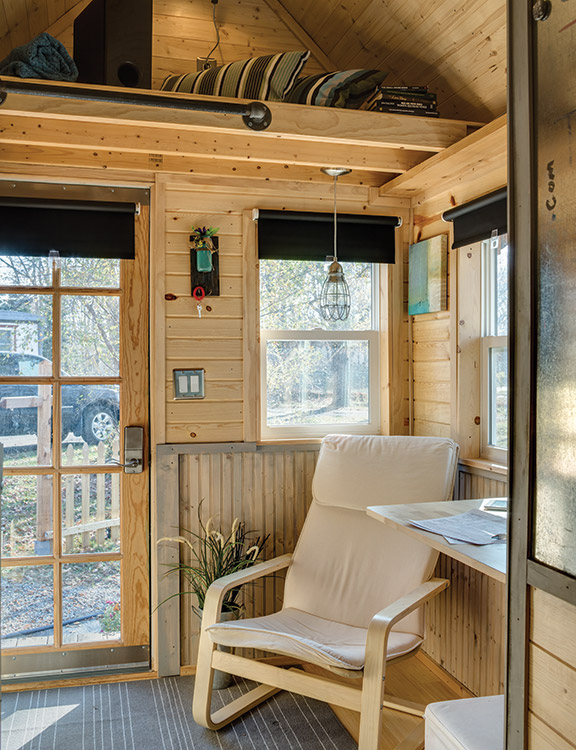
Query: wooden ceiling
{"x": 458, "y": 49}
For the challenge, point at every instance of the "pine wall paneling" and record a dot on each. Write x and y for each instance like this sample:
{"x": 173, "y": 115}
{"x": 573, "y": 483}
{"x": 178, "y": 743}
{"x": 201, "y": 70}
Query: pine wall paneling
{"x": 551, "y": 672}
{"x": 182, "y": 31}
{"x": 459, "y": 51}
{"x": 269, "y": 489}
{"x": 467, "y": 624}
{"x": 215, "y": 341}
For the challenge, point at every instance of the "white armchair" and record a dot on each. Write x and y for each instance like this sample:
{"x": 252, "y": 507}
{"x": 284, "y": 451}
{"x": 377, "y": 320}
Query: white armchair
{"x": 354, "y": 587}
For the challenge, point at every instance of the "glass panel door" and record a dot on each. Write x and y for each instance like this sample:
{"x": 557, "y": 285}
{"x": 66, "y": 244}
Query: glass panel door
{"x": 73, "y": 373}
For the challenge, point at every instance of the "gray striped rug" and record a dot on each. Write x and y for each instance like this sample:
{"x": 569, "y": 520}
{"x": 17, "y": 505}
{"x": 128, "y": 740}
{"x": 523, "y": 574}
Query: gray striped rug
{"x": 157, "y": 715}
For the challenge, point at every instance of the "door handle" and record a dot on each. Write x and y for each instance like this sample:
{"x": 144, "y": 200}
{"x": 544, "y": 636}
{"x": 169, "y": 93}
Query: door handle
{"x": 133, "y": 451}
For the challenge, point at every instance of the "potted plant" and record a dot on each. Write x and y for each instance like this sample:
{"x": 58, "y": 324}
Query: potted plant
{"x": 214, "y": 554}
{"x": 203, "y": 243}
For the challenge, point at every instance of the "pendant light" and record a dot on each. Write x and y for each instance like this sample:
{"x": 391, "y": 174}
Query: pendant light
{"x": 335, "y": 295}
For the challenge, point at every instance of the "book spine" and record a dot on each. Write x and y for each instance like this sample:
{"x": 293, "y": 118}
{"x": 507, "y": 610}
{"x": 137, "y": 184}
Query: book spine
{"x": 400, "y": 111}
{"x": 406, "y": 105}
{"x": 425, "y": 99}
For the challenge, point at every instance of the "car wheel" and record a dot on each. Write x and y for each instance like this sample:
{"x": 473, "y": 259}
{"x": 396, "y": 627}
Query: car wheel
{"x": 99, "y": 423}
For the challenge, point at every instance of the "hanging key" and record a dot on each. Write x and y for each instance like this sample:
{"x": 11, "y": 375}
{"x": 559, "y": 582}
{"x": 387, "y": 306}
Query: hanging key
{"x": 199, "y": 293}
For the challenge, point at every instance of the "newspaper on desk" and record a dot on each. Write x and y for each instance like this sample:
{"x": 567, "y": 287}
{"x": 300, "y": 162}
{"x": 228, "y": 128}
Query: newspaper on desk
{"x": 474, "y": 527}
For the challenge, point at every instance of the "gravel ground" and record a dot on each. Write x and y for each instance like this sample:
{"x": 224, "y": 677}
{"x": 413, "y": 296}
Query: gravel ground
{"x": 27, "y": 595}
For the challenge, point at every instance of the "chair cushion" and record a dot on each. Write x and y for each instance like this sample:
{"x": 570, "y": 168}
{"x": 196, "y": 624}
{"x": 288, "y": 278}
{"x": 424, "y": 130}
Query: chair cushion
{"x": 469, "y": 724}
{"x": 343, "y": 88}
{"x": 267, "y": 77}
{"x": 307, "y": 637}
{"x": 354, "y": 471}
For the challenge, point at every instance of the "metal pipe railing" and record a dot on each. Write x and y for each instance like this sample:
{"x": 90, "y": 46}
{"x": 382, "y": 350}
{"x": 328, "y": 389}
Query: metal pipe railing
{"x": 255, "y": 115}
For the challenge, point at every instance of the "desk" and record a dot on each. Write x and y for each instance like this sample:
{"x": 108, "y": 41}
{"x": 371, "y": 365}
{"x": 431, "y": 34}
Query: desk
{"x": 489, "y": 559}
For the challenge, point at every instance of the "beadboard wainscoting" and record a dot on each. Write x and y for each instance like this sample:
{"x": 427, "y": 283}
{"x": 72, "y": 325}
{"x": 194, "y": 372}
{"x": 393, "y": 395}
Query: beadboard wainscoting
{"x": 269, "y": 488}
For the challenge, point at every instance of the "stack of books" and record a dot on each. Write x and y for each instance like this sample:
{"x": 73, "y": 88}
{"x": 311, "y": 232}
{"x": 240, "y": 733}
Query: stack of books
{"x": 405, "y": 100}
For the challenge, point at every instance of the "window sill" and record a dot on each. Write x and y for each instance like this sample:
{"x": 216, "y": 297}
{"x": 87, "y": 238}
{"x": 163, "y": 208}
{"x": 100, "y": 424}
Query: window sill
{"x": 485, "y": 465}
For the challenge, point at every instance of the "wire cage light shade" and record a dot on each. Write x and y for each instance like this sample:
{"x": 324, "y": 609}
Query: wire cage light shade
{"x": 335, "y": 295}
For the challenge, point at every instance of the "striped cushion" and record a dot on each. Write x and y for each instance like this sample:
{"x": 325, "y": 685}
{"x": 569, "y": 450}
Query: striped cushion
{"x": 268, "y": 77}
{"x": 344, "y": 88}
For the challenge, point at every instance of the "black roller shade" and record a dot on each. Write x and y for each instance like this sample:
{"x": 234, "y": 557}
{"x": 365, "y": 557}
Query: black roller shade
{"x": 76, "y": 229}
{"x": 477, "y": 220}
{"x": 299, "y": 235}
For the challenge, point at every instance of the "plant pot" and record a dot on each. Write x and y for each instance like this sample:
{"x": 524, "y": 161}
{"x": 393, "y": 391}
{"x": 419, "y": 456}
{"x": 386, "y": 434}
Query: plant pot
{"x": 222, "y": 680}
{"x": 204, "y": 261}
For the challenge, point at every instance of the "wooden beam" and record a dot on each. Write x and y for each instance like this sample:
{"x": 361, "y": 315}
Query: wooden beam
{"x": 104, "y": 160}
{"x": 245, "y": 146}
{"x": 481, "y": 147}
{"x": 294, "y": 122}
{"x": 290, "y": 22}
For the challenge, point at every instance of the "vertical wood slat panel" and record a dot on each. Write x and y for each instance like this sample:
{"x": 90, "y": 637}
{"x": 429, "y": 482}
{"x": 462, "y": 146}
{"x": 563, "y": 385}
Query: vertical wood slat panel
{"x": 466, "y": 625}
{"x": 269, "y": 490}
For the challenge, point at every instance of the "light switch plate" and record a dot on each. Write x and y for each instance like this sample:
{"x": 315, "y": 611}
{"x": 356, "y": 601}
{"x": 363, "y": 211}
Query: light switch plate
{"x": 188, "y": 384}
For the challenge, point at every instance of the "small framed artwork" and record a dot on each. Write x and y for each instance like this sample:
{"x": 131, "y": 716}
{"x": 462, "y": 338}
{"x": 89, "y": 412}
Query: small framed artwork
{"x": 428, "y": 275}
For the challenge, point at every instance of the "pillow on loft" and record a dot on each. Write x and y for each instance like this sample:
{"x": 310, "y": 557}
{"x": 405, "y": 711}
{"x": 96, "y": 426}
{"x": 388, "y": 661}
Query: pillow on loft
{"x": 344, "y": 88}
{"x": 268, "y": 77}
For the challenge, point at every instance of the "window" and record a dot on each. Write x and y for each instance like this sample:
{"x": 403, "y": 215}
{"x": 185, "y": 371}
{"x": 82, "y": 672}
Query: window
{"x": 494, "y": 351}
{"x": 7, "y": 338}
{"x": 317, "y": 376}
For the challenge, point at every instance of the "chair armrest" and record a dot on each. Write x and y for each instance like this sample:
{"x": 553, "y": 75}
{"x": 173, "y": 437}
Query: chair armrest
{"x": 402, "y": 607}
{"x": 383, "y": 622}
{"x": 218, "y": 589}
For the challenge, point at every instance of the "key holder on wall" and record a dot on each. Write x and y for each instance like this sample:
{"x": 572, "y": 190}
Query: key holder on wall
{"x": 204, "y": 261}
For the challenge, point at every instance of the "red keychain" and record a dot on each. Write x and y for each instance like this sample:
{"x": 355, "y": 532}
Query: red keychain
{"x": 199, "y": 293}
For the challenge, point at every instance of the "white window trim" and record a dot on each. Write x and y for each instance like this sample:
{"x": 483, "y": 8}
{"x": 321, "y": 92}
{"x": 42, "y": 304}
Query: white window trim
{"x": 313, "y": 431}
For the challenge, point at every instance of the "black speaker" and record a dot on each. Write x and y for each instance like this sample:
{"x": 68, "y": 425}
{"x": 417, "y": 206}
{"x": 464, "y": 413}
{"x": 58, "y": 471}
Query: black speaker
{"x": 113, "y": 43}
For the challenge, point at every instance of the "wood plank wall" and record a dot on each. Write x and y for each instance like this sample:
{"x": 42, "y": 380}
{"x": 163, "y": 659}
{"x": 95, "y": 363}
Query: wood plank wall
{"x": 467, "y": 625}
{"x": 270, "y": 490}
{"x": 215, "y": 341}
{"x": 434, "y": 337}
{"x": 551, "y": 673}
{"x": 183, "y": 30}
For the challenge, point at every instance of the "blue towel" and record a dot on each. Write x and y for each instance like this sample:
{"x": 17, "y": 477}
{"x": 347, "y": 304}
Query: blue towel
{"x": 43, "y": 57}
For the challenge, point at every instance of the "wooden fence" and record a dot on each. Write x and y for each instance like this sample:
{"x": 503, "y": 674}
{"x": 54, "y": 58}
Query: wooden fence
{"x": 98, "y": 523}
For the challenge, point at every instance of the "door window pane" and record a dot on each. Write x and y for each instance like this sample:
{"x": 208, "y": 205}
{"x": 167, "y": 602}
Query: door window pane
{"x": 19, "y": 270}
{"x": 317, "y": 382}
{"x": 91, "y": 601}
{"x": 29, "y": 318}
{"x": 26, "y": 423}
{"x": 90, "y": 335}
{"x": 90, "y": 513}
{"x": 90, "y": 414}
{"x": 27, "y": 528}
{"x": 27, "y": 606}
{"x": 90, "y": 272}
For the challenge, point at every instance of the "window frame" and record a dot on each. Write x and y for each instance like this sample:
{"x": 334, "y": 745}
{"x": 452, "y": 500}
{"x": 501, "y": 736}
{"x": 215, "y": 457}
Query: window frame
{"x": 371, "y": 336}
{"x": 490, "y": 341}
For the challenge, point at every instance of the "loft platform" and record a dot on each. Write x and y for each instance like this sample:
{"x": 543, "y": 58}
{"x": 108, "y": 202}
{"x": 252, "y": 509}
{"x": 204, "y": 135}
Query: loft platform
{"x": 376, "y": 146}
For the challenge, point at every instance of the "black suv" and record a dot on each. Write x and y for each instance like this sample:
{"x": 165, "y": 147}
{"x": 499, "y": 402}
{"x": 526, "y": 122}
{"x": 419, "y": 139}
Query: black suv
{"x": 88, "y": 411}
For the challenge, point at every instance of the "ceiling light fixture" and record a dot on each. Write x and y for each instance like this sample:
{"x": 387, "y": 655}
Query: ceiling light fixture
{"x": 335, "y": 295}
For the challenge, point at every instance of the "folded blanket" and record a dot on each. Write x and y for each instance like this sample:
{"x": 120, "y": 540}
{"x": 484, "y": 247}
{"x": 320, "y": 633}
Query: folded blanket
{"x": 43, "y": 57}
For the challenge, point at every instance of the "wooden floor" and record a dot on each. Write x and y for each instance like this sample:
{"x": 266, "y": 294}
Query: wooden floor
{"x": 416, "y": 679}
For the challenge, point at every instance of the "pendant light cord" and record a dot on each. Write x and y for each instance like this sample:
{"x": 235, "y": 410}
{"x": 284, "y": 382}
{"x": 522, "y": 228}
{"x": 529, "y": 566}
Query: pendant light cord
{"x": 216, "y": 29}
{"x": 335, "y": 221}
